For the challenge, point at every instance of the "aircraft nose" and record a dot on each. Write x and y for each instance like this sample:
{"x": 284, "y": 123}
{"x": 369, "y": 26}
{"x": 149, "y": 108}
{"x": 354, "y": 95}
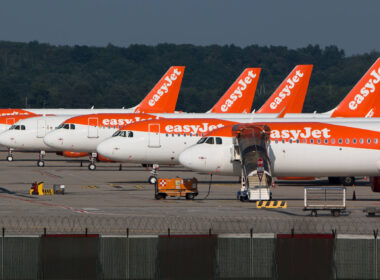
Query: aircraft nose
{"x": 6, "y": 139}
{"x": 106, "y": 149}
{"x": 186, "y": 158}
{"x": 51, "y": 140}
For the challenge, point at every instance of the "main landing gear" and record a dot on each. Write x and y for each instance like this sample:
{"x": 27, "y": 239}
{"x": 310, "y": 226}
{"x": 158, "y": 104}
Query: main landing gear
{"x": 10, "y": 155}
{"x": 92, "y": 165}
{"x": 41, "y": 162}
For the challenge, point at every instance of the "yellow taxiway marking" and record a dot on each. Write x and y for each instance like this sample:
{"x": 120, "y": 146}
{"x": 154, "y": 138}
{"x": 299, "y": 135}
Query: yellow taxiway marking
{"x": 139, "y": 187}
{"x": 90, "y": 187}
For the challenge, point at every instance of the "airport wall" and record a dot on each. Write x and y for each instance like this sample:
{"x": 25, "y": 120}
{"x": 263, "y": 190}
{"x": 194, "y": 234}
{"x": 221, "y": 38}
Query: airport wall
{"x": 244, "y": 256}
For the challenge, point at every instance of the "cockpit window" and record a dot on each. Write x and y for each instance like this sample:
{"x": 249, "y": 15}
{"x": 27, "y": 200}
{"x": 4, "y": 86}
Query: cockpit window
{"x": 210, "y": 140}
{"x": 12, "y": 127}
{"x": 116, "y": 133}
{"x": 60, "y": 126}
{"x": 22, "y": 127}
{"x": 218, "y": 141}
{"x": 130, "y": 134}
{"x": 202, "y": 140}
{"x": 66, "y": 126}
{"x": 72, "y": 126}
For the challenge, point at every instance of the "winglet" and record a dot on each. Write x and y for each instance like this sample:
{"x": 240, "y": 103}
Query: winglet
{"x": 360, "y": 100}
{"x": 163, "y": 97}
{"x": 290, "y": 95}
{"x": 239, "y": 97}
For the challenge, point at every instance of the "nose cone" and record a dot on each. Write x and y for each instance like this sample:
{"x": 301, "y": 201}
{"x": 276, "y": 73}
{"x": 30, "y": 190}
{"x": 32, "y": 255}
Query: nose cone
{"x": 107, "y": 149}
{"x": 7, "y": 139}
{"x": 187, "y": 158}
{"x": 52, "y": 141}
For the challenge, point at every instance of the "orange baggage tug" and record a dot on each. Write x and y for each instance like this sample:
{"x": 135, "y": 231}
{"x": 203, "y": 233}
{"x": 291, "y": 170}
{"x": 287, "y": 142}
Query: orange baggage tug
{"x": 176, "y": 187}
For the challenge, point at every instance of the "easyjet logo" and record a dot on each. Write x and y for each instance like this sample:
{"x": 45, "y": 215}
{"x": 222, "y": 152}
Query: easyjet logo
{"x": 242, "y": 85}
{"x": 118, "y": 122}
{"x": 168, "y": 82}
{"x": 188, "y": 128}
{"x": 286, "y": 91}
{"x": 306, "y": 132}
{"x": 368, "y": 88}
{"x": 14, "y": 113}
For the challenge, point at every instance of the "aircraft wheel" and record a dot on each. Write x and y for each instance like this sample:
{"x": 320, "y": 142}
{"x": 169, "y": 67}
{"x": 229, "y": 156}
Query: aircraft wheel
{"x": 40, "y": 163}
{"x": 9, "y": 158}
{"x": 348, "y": 181}
{"x": 91, "y": 166}
{"x": 152, "y": 180}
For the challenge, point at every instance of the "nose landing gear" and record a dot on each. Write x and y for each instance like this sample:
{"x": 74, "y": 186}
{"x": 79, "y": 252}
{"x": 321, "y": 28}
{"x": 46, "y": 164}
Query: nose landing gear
{"x": 92, "y": 165}
{"x": 10, "y": 155}
{"x": 41, "y": 162}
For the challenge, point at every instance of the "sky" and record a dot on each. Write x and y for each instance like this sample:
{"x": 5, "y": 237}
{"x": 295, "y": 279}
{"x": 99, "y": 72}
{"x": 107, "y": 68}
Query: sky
{"x": 352, "y": 25}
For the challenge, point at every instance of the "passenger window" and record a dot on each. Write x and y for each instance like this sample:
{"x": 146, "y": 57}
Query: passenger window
{"x": 361, "y": 140}
{"x": 304, "y": 141}
{"x": 297, "y": 141}
{"x": 347, "y": 140}
{"x": 210, "y": 140}
{"x": 319, "y": 141}
{"x": 218, "y": 140}
{"x": 333, "y": 141}
{"x": 311, "y": 141}
{"x": 326, "y": 141}
{"x": 197, "y": 134}
{"x": 167, "y": 135}
{"x": 276, "y": 141}
{"x": 354, "y": 141}
{"x": 172, "y": 134}
{"x": 283, "y": 141}
{"x": 290, "y": 141}
{"x": 184, "y": 135}
{"x": 72, "y": 126}
{"x": 369, "y": 141}
{"x": 340, "y": 141}
{"x": 375, "y": 141}
{"x": 191, "y": 134}
{"x": 179, "y": 135}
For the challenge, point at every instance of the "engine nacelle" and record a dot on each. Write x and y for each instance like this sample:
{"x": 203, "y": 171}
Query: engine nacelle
{"x": 72, "y": 154}
{"x": 104, "y": 159}
{"x": 375, "y": 183}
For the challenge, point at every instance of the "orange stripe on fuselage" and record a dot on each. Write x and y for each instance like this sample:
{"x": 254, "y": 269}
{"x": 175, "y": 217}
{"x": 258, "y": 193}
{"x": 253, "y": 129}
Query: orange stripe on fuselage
{"x": 117, "y": 119}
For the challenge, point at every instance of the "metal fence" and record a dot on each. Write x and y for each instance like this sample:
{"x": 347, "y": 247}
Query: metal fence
{"x": 255, "y": 256}
{"x": 187, "y": 224}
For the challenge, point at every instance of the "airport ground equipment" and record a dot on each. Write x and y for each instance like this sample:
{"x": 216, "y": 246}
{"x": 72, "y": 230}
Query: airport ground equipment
{"x": 38, "y": 189}
{"x": 176, "y": 187}
{"x": 331, "y": 199}
{"x": 271, "y": 204}
{"x": 251, "y": 150}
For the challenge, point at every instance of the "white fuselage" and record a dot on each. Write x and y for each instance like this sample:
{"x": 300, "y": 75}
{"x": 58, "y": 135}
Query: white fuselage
{"x": 287, "y": 159}
{"x": 28, "y": 134}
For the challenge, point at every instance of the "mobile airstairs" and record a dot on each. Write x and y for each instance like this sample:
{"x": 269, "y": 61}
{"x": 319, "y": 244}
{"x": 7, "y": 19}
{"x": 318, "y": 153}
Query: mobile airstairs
{"x": 251, "y": 150}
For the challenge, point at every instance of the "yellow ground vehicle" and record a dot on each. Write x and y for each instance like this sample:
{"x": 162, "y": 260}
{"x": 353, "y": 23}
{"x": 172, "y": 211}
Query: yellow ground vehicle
{"x": 176, "y": 187}
{"x": 38, "y": 189}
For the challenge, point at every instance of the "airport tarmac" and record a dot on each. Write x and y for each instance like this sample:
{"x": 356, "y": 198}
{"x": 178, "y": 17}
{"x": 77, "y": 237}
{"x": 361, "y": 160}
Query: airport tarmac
{"x": 109, "y": 201}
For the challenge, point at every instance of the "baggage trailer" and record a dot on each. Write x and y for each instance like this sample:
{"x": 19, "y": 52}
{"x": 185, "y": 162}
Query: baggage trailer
{"x": 176, "y": 187}
{"x": 331, "y": 199}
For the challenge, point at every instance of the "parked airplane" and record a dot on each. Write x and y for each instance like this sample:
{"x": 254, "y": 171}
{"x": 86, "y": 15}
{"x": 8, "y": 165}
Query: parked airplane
{"x": 79, "y": 140}
{"x": 28, "y": 132}
{"x": 324, "y": 148}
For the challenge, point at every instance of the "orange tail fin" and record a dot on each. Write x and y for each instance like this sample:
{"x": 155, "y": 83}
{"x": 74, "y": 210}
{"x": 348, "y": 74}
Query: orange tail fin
{"x": 362, "y": 98}
{"x": 239, "y": 97}
{"x": 290, "y": 95}
{"x": 163, "y": 97}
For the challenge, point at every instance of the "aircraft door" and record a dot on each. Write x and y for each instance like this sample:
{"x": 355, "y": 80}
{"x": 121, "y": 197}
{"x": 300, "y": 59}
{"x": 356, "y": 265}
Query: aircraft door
{"x": 93, "y": 128}
{"x": 41, "y": 128}
{"x": 154, "y": 136}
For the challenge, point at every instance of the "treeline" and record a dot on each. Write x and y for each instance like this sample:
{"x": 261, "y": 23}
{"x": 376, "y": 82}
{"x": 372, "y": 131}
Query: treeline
{"x": 41, "y": 75}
